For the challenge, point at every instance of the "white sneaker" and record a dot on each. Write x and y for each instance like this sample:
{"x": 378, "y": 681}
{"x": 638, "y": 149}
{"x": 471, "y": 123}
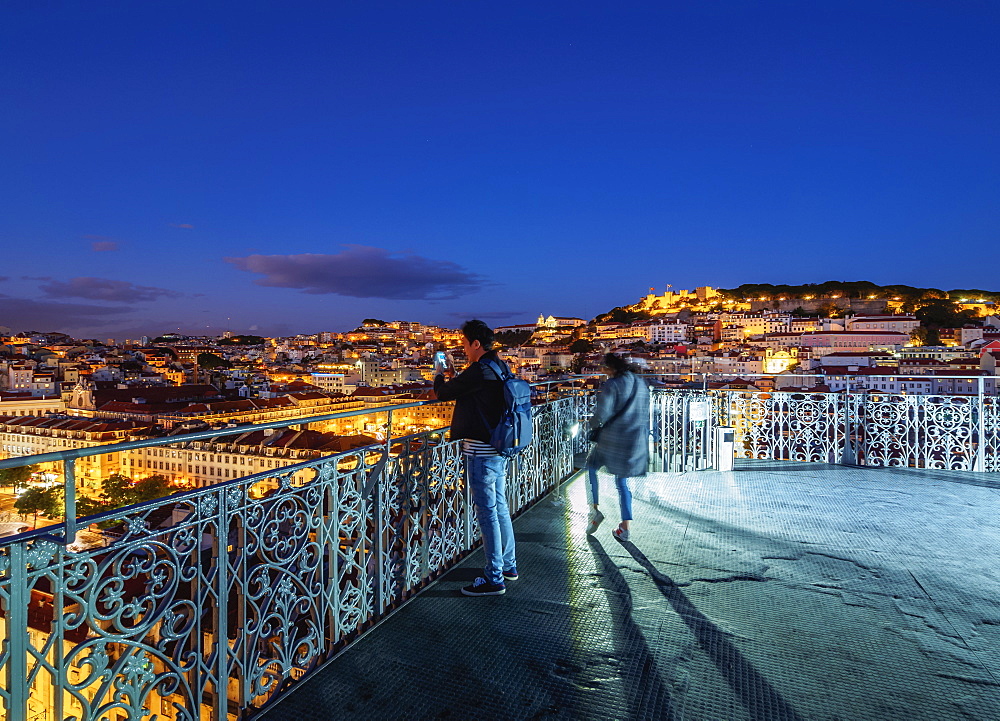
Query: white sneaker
{"x": 594, "y": 519}
{"x": 620, "y": 533}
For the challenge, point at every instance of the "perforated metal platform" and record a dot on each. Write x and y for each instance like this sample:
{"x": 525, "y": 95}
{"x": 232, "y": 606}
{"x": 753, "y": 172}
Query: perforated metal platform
{"x": 776, "y": 591}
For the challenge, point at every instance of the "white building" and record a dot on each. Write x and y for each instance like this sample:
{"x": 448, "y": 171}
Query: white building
{"x": 328, "y": 382}
{"x": 855, "y": 340}
{"x": 897, "y": 323}
{"x": 671, "y": 332}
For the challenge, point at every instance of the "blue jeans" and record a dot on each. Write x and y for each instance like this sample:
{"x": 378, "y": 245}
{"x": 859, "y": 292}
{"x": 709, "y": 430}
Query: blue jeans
{"x": 488, "y": 483}
{"x": 624, "y": 494}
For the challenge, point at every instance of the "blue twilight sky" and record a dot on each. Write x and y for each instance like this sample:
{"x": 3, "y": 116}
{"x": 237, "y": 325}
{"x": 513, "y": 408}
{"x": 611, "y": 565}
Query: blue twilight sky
{"x": 285, "y": 167}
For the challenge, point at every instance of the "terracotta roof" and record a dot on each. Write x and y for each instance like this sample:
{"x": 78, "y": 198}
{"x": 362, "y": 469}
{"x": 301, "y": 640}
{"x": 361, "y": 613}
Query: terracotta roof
{"x": 862, "y": 354}
{"x": 880, "y": 318}
{"x": 854, "y": 332}
{"x": 859, "y": 371}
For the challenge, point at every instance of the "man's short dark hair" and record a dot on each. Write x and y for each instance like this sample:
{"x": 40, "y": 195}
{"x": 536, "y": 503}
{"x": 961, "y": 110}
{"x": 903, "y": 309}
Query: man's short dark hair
{"x": 477, "y": 330}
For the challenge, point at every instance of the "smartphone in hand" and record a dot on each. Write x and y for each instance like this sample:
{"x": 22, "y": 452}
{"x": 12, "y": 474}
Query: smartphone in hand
{"x": 440, "y": 362}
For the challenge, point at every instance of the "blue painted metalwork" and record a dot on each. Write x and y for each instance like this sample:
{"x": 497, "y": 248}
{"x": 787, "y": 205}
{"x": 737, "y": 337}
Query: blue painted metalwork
{"x": 959, "y": 433}
{"x": 214, "y": 602}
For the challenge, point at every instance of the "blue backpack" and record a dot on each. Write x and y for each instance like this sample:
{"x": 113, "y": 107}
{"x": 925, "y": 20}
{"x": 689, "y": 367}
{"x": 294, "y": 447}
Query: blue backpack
{"x": 513, "y": 434}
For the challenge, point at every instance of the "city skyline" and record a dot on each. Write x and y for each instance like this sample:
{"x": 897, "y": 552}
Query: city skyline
{"x": 283, "y": 172}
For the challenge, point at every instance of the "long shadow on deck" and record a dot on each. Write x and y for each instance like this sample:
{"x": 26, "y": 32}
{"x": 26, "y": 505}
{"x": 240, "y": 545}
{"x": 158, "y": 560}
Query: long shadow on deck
{"x": 592, "y": 631}
{"x": 761, "y": 699}
{"x": 562, "y": 643}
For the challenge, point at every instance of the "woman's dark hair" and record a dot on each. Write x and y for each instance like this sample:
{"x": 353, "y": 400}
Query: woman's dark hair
{"x": 477, "y": 330}
{"x": 617, "y": 364}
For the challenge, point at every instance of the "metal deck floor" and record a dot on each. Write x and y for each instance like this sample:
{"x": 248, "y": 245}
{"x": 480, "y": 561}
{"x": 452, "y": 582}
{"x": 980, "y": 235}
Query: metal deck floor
{"x": 777, "y": 591}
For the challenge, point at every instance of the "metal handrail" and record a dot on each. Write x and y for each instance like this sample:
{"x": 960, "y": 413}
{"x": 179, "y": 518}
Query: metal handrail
{"x": 69, "y": 456}
{"x": 74, "y": 453}
{"x": 216, "y": 600}
{"x": 723, "y": 374}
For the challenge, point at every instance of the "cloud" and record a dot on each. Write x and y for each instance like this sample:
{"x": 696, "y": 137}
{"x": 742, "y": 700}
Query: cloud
{"x": 103, "y": 246}
{"x": 118, "y": 291}
{"x": 36, "y": 277}
{"x": 4, "y": 277}
{"x": 361, "y": 271}
{"x": 62, "y": 317}
{"x": 186, "y": 226}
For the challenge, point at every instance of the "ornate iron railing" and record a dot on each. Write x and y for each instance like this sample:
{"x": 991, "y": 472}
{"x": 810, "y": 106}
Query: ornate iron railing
{"x": 215, "y": 602}
{"x": 959, "y": 433}
{"x": 212, "y": 603}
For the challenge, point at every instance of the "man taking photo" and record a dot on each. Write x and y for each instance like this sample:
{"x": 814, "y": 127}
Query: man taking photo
{"x": 479, "y": 406}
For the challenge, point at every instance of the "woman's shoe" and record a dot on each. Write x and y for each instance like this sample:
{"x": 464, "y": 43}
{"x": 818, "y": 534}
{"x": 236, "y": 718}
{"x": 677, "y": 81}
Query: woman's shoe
{"x": 594, "y": 523}
{"x": 620, "y": 534}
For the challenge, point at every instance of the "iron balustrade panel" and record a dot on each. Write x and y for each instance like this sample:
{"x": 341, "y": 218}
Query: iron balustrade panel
{"x": 212, "y": 603}
{"x": 960, "y": 433}
{"x": 788, "y": 426}
{"x": 550, "y": 454}
{"x": 990, "y": 434}
{"x": 116, "y": 630}
{"x": 919, "y": 431}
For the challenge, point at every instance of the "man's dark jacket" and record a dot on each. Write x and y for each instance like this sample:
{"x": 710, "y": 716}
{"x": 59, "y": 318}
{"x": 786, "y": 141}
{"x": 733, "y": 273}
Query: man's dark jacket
{"x": 475, "y": 389}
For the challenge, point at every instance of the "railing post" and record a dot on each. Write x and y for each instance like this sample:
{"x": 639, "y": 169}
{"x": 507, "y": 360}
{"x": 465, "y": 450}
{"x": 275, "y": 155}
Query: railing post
{"x": 467, "y": 510}
{"x": 69, "y": 497}
{"x": 979, "y": 465}
{"x": 685, "y": 441}
{"x": 58, "y": 630}
{"x": 847, "y": 456}
{"x": 17, "y": 634}
{"x": 425, "y": 513}
{"x": 388, "y": 434}
{"x": 380, "y": 525}
{"x": 222, "y": 611}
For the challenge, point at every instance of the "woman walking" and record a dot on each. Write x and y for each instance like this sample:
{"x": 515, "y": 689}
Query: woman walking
{"x": 620, "y": 427}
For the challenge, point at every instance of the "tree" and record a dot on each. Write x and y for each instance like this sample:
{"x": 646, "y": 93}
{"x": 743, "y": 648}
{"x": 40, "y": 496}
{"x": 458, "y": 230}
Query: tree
{"x": 581, "y": 345}
{"x": 119, "y": 490}
{"x": 974, "y": 294}
{"x": 622, "y": 315}
{"x": 242, "y": 340}
{"x": 512, "y": 338}
{"x": 16, "y": 477}
{"x": 87, "y": 506}
{"x": 116, "y": 490}
{"x": 830, "y": 310}
{"x": 943, "y": 314}
{"x": 151, "y": 488}
{"x": 212, "y": 361}
{"x": 47, "y": 501}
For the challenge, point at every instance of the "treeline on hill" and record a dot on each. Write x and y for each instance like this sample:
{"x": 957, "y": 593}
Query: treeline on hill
{"x": 512, "y": 338}
{"x": 621, "y": 315}
{"x": 242, "y": 340}
{"x": 853, "y": 289}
